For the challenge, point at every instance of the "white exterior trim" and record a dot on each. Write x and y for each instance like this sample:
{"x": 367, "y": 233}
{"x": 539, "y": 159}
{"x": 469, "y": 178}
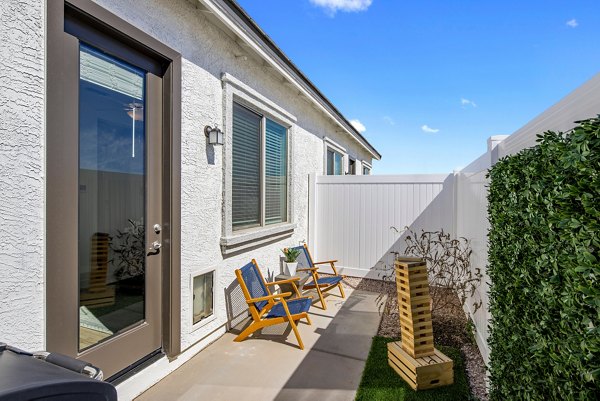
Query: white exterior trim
{"x": 334, "y": 145}
{"x": 194, "y": 274}
{"x": 236, "y": 91}
{"x": 252, "y": 97}
{"x": 329, "y": 143}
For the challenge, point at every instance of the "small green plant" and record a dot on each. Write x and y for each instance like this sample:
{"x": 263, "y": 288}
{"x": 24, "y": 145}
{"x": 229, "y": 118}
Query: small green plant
{"x": 291, "y": 254}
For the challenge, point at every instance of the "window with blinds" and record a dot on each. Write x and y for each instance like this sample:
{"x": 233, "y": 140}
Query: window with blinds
{"x": 246, "y": 151}
{"x": 275, "y": 173}
{"x": 258, "y": 198}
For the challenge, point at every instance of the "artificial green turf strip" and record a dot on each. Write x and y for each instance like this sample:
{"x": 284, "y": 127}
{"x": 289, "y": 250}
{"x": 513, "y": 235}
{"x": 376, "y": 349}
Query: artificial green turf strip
{"x": 381, "y": 383}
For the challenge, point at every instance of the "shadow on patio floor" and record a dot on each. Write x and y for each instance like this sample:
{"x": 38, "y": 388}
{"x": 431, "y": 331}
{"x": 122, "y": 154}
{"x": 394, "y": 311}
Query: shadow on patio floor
{"x": 269, "y": 365}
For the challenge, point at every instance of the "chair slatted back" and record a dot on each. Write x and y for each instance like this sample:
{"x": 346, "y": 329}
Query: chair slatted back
{"x": 304, "y": 260}
{"x": 254, "y": 283}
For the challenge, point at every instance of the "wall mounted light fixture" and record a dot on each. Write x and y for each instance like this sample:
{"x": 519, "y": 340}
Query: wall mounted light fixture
{"x": 214, "y": 135}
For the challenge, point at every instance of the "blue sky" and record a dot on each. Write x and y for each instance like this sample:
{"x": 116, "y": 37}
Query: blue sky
{"x": 431, "y": 80}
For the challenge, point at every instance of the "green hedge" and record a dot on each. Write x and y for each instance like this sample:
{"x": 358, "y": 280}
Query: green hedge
{"x": 544, "y": 268}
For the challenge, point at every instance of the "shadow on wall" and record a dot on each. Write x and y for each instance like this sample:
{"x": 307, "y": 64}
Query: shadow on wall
{"x": 235, "y": 305}
{"x": 439, "y": 214}
{"x": 235, "y": 302}
{"x": 210, "y": 153}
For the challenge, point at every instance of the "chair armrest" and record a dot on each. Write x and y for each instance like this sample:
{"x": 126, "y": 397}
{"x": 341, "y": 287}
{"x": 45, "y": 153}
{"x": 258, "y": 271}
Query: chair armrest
{"x": 325, "y": 262}
{"x": 331, "y": 263}
{"x": 289, "y": 280}
{"x": 268, "y": 297}
{"x": 312, "y": 269}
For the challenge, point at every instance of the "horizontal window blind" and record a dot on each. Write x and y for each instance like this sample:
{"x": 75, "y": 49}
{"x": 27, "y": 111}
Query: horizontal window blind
{"x": 246, "y": 168}
{"x": 275, "y": 173}
{"x": 106, "y": 71}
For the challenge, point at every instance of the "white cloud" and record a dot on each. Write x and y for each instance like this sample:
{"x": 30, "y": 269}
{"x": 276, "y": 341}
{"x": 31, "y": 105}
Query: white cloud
{"x": 389, "y": 120}
{"x": 332, "y": 6}
{"x": 466, "y": 102}
{"x": 358, "y": 125}
{"x": 429, "y": 130}
{"x": 572, "y": 23}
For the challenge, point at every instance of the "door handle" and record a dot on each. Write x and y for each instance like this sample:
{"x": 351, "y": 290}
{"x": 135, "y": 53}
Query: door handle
{"x": 155, "y": 246}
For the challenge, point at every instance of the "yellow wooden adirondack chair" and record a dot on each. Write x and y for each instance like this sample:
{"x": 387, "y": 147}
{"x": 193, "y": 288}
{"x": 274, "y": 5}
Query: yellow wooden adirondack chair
{"x": 322, "y": 284}
{"x": 268, "y": 309}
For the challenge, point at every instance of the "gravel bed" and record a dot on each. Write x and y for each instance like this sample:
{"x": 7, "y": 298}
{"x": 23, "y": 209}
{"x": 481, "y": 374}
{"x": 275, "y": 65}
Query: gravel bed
{"x": 449, "y": 328}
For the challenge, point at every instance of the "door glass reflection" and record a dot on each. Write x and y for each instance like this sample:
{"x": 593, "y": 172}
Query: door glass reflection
{"x": 112, "y": 196}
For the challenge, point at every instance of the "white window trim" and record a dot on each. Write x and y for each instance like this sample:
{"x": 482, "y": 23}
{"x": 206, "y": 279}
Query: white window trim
{"x": 366, "y": 164}
{"x": 238, "y": 92}
{"x": 203, "y": 322}
{"x": 329, "y": 143}
{"x": 350, "y": 158}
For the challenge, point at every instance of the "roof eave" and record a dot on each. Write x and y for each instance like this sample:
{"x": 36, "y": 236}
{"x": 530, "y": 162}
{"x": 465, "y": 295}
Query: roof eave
{"x": 244, "y": 27}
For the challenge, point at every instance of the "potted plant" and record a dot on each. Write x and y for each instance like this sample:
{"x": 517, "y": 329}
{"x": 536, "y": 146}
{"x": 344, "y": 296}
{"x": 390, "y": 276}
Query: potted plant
{"x": 290, "y": 263}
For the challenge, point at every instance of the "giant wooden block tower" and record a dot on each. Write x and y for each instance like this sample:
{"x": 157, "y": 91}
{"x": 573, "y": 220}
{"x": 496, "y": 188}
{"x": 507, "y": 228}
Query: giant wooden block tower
{"x": 414, "y": 358}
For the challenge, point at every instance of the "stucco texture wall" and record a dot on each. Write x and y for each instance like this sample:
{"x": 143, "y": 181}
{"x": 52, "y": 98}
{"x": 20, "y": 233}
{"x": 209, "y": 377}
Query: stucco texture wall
{"x": 207, "y": 53}
{"x": 22, "y": 173}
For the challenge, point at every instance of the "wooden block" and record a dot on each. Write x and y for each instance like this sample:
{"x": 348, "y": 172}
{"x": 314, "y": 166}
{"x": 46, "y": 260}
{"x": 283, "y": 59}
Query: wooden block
{"x": 105, "y": 297}
{"x": 414, "y": 303}
{"x": 421, "y": 373}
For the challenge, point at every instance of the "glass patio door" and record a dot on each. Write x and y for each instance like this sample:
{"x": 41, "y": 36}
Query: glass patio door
{"x": 119, "y": 239}
{"x": 112, "y": 193}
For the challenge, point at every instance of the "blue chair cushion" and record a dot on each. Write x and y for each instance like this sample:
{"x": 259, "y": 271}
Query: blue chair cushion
{"x": 294, "y": 305}
{"x": 254, "y": 283}
{"x": 326, "y": 281}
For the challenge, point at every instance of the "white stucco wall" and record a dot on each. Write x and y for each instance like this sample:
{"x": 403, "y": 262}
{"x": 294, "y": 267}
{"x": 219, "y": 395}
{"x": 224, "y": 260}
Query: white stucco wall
{"x": 207, "y": 53}
{"x": 22, "y": 138}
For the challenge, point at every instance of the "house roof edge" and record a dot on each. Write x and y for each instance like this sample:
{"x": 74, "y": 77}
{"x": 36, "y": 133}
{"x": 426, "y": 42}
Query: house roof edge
{"x": 237, "y": 15}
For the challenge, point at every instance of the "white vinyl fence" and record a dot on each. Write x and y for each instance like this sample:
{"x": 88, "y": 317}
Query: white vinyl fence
{"x": 360, "y": 220}
{"x": 472, "y": 223}
{"x": 471, "y": 212}
{"x": 351, "y": 217}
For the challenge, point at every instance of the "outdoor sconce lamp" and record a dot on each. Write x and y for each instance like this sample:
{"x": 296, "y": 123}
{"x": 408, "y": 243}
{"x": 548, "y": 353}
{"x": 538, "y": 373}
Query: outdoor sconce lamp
{"x": 214, "y": 135}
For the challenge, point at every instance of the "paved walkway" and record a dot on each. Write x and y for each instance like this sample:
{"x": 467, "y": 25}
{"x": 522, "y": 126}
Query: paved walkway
{"x": 272, "y": 367}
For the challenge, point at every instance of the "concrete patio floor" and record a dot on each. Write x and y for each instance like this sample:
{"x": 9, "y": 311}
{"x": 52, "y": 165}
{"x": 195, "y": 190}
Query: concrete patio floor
{"x": 270, "y": 366}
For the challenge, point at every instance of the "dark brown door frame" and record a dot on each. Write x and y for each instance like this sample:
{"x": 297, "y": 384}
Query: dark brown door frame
{"x": 61, "y": 185}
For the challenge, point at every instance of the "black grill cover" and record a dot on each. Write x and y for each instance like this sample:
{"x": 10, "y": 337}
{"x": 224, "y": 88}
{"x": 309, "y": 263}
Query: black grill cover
{"x": 23, "y": 378}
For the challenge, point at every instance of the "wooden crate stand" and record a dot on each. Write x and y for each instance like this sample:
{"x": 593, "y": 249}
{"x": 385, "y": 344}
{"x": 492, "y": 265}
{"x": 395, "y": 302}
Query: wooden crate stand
{"x": 414, "y": 358}
{"x": 421, "y": 373}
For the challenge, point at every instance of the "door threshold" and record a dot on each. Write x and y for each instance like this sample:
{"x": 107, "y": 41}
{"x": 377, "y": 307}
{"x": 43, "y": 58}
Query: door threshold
{"x": 135, "y": 367}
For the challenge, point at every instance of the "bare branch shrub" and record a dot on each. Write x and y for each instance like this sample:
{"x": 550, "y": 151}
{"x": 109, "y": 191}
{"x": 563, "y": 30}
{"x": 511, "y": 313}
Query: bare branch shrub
{"x": 449, "y": 266}
{"x": 448, "y": 263}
